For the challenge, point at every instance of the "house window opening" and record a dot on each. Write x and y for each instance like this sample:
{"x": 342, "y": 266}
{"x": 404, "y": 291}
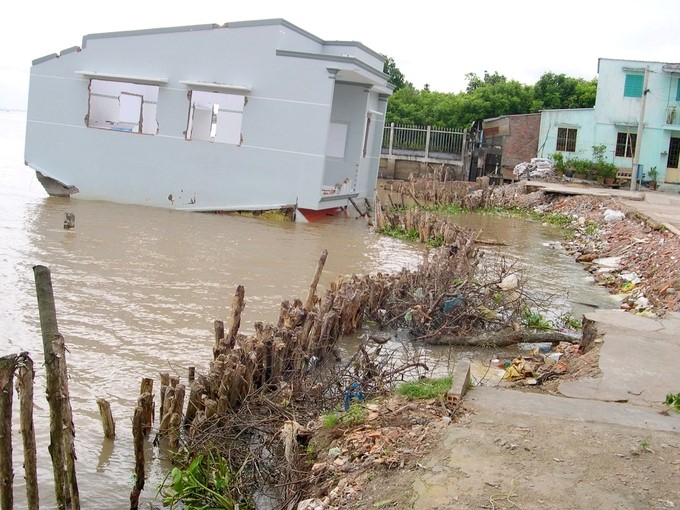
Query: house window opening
{"x": 625, "y": 145}
{"x": 215, "y": 117}
{"x": 674, "y": 153}
{"x": 566, "y": 140}
{"x": 123, "y": 106}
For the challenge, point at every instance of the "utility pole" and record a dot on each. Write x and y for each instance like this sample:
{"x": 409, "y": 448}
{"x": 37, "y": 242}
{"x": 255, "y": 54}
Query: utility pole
{"x": 638, "y": 138}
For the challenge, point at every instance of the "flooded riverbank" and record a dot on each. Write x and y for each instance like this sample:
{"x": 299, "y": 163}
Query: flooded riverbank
{"x": 137, "y": 290}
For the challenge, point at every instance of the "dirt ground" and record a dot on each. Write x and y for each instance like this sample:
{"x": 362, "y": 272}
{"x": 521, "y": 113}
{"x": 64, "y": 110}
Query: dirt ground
{"x": 530, "y": 462}
{"x": 412, "y": 455}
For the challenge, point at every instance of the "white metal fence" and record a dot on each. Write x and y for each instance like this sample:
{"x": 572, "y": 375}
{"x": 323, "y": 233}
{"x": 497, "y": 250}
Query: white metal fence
{"x": 423, "y": 139}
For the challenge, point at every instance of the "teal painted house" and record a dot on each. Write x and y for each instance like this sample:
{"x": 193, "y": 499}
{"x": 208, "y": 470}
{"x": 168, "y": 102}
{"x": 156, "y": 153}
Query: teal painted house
{"x": 627, "y": 91}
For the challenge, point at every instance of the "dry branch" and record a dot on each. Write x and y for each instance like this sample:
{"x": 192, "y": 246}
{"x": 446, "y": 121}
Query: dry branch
{"x": 502, "y": 338}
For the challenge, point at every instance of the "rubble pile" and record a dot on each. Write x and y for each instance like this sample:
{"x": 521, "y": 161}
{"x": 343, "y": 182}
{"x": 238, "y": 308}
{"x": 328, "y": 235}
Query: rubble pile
{"x": 395, "y": 434}
{"x": 538, "y": 363}
{"x": 635, "y": 259}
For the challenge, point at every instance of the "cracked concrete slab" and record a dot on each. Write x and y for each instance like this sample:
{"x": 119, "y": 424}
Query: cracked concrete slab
{"x": 639, "y": 360}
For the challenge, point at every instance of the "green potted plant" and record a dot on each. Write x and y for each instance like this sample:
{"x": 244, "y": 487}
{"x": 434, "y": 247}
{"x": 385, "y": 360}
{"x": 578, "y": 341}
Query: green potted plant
{"x": 652, "y": 174}
{"x": 607, "y": 172}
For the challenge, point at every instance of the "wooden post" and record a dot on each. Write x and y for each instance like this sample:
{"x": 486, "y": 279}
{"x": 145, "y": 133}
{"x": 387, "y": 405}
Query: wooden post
{"x": 69, "y": 221}
{"x": 361, "y": 213}
{"x": 195, "y": 403}
{"x": 69, "y": 430}
{"x": 219, "y": 334}
{"x": 138, "y": 439}
{"x": 165, "y": 382}
{"x": 107, "y": 418}
{"x": 146, "y": 387}
{"x": 7, "y": 367}
{"x": 237, "y": 306}
{"x": 192, "y": 374}
{"x": 317, "y": 275}
{"x": 24, "y": 387}
{"x": 48, "y": 325}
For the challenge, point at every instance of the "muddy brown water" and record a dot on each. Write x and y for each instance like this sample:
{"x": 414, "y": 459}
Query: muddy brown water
{"x": 137, "y": 290}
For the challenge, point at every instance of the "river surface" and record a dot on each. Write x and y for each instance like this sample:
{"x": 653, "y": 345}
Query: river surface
{"x": 137, "y": 290}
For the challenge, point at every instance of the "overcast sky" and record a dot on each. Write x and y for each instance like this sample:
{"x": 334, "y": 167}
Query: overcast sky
{"x": 431, "y": 42}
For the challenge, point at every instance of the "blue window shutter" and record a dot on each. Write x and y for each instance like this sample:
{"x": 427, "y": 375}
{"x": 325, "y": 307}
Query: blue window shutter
{"x": 633, "y": 86}
{"x": 677, "y": 93}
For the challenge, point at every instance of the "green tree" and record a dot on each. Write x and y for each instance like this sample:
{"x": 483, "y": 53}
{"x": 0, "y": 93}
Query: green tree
{"x": 475, "y": 82}
{"x": 491, "y": 96}
{"x": 397, "y": 78}
{"x": 555, "y": 91}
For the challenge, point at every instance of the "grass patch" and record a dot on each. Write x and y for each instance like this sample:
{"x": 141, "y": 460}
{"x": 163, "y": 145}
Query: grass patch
{"x": 673, "y": 400}
{"x": 401, "y": 233}
{"x": 425, "y": 388}
{"x": 355, "y": 415}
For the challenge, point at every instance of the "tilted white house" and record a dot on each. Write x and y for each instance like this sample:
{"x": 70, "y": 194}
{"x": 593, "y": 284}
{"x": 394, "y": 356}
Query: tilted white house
{"x": 245, "y": 116}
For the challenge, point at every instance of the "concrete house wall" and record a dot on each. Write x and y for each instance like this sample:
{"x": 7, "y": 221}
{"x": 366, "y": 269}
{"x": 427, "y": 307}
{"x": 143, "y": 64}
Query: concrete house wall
{"x": 580, "y": 119}
{"x": 290, "y": 86}
{"x": 616, "y": 113}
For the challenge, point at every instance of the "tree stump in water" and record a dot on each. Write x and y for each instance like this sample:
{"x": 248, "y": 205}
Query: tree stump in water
{"x": 108, "y": 424}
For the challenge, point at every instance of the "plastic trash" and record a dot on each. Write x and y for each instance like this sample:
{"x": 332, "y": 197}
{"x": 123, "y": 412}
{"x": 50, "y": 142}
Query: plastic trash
{"x": 450, "y": 304}
{"x": 553, "y": 357}
{"x": 510, "y": 282}
{"x": 612, "y": 215}
{"x": 353, "y": 393}
{"x": 542, "y": 347}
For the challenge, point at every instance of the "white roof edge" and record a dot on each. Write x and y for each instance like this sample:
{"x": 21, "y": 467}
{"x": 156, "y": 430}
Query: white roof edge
{"x": 123, "y": 77}
{"x": 215, "y": 85}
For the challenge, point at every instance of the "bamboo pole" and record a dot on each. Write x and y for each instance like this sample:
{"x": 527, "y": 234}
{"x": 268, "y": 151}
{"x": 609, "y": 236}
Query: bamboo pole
{"x": 7, "y": 367}
{"x": 24, "y": 386}
{"x": 48, "y": 325}
{"x": 108, "y": 424}
{"x": 309, "y": 304}
{"x": 69, "y": 430}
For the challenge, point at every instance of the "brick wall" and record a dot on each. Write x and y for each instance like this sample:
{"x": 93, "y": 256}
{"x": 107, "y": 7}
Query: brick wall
{"x": 522, "y": 142}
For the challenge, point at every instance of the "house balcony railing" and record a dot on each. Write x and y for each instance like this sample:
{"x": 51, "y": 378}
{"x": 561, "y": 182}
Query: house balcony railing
{"x": 426, "y": 141}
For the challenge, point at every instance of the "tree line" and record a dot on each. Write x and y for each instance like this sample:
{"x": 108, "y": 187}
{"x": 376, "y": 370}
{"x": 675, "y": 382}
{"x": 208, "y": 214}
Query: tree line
{"x": 485, "y": 97}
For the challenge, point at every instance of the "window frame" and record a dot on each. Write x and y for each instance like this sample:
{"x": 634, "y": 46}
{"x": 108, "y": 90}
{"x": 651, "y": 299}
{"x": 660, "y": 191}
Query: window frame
{"x": 625, "y": 144}
{"x": 633, "y": 85}
{"x": 566, "y": 143}
{"x": 108, "y": 102}
{"x": 218, "y": 115}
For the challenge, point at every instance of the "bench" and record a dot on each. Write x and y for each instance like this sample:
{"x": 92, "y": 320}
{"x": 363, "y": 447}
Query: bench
{"x": 624, "y": 175}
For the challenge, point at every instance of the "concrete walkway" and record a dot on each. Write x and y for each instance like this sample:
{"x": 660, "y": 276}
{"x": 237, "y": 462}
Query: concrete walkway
{"x": 638, "y": 359}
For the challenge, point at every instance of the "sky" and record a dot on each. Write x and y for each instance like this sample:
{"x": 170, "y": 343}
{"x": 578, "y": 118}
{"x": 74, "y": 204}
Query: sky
{"x": 435, "y": 43}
